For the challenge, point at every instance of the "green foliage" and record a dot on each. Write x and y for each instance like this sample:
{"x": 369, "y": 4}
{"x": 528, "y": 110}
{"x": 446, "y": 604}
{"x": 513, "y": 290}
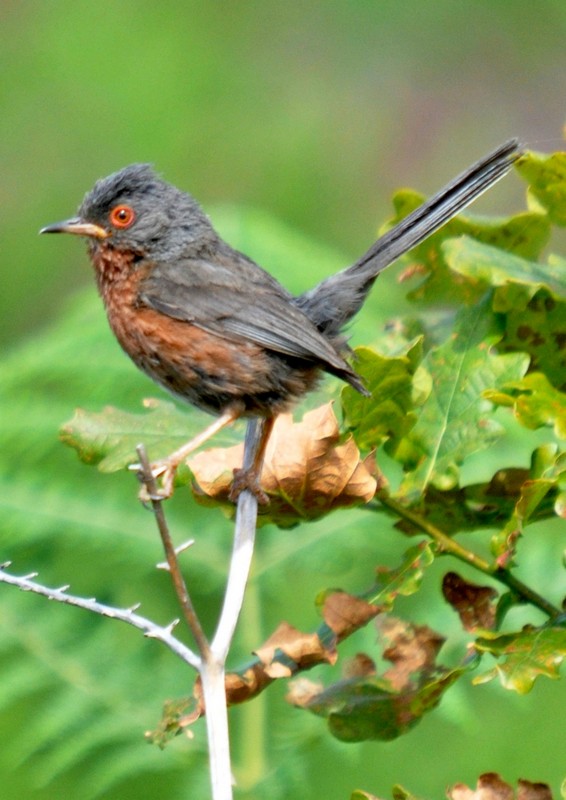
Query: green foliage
{"x": 455, "y": 421}
{"x": 387, "y": 415}
{"x": 466, "y": 424}
{"x": 361, "y": 709}
{"x": 524, "y": 656}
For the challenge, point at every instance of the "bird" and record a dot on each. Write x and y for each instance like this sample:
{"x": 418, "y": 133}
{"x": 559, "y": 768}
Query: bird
{"x": 213, "y": 327}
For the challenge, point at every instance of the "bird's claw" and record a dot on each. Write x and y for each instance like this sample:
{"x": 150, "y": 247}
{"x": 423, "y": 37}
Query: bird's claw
{"x": 247, "y": 479}
{"x": 164, "y": 470}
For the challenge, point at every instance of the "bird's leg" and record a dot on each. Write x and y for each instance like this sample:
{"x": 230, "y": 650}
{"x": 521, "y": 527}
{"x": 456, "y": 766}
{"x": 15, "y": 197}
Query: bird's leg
{"x": 250, "y": 478}
{"x": 166, "y": 468}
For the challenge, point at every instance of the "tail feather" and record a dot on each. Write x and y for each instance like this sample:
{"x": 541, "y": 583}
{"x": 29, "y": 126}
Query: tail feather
{"x": 334, "y": 301}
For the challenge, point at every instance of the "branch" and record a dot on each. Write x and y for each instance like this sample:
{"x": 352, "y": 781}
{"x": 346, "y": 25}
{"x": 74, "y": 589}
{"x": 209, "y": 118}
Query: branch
{"x": 448, "y": 545}
{"x": 146, "y": 477}
{"x": 128, "y": 615}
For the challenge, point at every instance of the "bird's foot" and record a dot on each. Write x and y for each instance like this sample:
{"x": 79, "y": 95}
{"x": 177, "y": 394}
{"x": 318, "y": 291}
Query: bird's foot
{"x": 165, "y": 470}
{"x": 247, "y": 479}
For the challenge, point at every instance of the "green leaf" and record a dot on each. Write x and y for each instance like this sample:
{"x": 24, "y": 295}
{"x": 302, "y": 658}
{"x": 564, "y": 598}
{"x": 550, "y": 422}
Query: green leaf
{"x": 513, "y": 497}
{"x": 109, "y": 438}
{"x": 491, "y": 266}
{"x": 455, "y": 421}
{"x": 525, "y": 234}
{"x": 537, "y": 496}
{"x": 362, "y": 709}
{"x": 531, "y": 296}
{"x": 546, "y": 176}
{"x": 539, "y": 329}
{"x": 525, "y": 656}
{"x": 387, "y": 415}
{"x": 535, "y": 402}
{"x": 405, "y": 579}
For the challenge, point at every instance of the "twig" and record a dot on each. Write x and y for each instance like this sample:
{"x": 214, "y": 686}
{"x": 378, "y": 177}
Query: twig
{"x": 128, "y": 615}
{"x": 189, "y": 613}
{"x": 448, "y": 545}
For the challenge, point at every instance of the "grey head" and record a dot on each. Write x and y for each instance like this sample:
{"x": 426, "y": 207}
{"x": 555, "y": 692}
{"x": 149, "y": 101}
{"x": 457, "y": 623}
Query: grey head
{"x": 134, "y": 209}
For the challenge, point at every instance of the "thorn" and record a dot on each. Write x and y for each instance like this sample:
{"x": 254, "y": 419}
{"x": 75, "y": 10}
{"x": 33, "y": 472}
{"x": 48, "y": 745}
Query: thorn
{"x": 185, "y": 546}
{"x": 133, "y": 608}
{"x": 172, "y": 625}
{"x": 178, "y": 550}
{"x": 64, "y": 588}
{"x": 30, "y": 576}
{"x": 5, "y": 565}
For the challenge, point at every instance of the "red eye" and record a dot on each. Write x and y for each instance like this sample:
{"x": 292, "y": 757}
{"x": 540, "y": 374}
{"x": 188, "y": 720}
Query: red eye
{"x": 122, "y": 216}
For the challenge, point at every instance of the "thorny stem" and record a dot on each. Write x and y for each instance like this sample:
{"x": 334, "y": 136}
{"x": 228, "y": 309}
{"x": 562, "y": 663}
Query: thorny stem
{"x": 446, "y": 544}
{"x": 179, "y": 584}
{"x": 127, "y": 615}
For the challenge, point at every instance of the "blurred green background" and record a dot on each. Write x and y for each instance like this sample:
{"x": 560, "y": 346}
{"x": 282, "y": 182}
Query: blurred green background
{"x": 313, "y": 113}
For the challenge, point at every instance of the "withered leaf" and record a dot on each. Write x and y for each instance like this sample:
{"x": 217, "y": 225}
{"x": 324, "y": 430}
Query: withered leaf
{"x": 302, "y": 691}
{"x": 473, "y": 603}
{"x": 359, "y": 666}
{"x": 344, "y": 613}
{"x": 367, "y": 706}
{"x": 308, "y": 471}
{"x": 491, "y": 786}
{"x": 299, "y": 650}
{"x": 412, "y": 649}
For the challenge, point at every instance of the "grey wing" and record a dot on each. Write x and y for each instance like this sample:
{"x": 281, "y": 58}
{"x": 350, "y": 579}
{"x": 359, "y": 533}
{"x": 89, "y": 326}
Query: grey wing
{"x": 250, "y": 305}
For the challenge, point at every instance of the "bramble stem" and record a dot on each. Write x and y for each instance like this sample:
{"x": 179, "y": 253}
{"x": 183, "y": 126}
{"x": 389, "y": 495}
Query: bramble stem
{"x": 189, "y": 613}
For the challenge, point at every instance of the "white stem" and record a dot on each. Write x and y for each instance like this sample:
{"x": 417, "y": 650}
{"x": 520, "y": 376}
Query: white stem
{"x": 242, "y": 552}
{"x": 212, "y": 671}
{"x": 214, "y": 694}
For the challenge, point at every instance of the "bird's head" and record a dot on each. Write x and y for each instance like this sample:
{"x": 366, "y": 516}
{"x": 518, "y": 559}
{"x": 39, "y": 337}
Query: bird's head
{"x": 135, "y": 210}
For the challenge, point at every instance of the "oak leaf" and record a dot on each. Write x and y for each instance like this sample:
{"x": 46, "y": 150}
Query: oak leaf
{"x": 307, "y": 472}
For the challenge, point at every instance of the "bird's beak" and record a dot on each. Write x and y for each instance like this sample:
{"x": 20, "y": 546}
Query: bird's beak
{"x": 78, "y": 227}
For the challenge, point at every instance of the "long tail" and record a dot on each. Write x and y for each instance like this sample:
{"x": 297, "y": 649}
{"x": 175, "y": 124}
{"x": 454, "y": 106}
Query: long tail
{"x": 334, "y": 301}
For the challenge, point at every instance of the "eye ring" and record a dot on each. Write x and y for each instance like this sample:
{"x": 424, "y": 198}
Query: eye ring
{"x": 122, "y": 216}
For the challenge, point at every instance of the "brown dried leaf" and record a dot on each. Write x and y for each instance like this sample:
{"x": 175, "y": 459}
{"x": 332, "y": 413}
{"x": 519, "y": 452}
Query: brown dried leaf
{"x": 344, "y": 613}
{"x": 491, "y": 786}
{"x": 301, "y": 691}
{"x": 359, "y": 667}
{"x": 307, "y": 471}
{"x": 473, "y": 603}
{"x": 411, "y": 649}
{"x": 303, "y": 650}
{"x": 533, "y": 791}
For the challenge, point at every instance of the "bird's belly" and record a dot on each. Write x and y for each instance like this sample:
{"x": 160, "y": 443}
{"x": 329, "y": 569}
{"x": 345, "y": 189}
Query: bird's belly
{"x": 208, "y": 370}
